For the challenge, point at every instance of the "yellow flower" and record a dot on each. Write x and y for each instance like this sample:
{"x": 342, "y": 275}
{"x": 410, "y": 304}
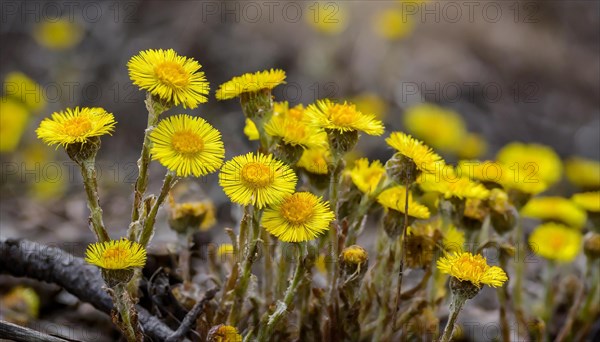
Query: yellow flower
{"x": 423, "y": 156}
{"x": 172, "y": 78}
{"x": 75, "y": 126}
{"x": 516, "y": 179}
{"x": 370, "y": 103}
{"x": 441, "y": 128}
{"x": 449, "y": 184}
{"x": 315, "y": 160}
{"x": 250, "y": 130}
{"x": 13, "y": 122}
{"x": 250, "y": 83}
{"x": 116, "y": 254}
{"x": 454, "y": 240}
{"x": 590, "y": 201}
{"x": 555, "y": 242}
{"x": 354, "y": 255}
{"x": 555, "y": 209}
{"x": 536, "y": 162}
{"x": 187, "y": 145}
{"x": 366, "y": 177}
{"x": 50, "y": 186}
{"x": 583, "y": 172}
{"x": 393, "y": 24}
{"x": 395, "y": 198}
{"x": 292, "y": 127}
{"x": 330, "y": 17}
{"x": 465, "y": 266}
{"x": 257, "y": 179}
{"x": 58, "y": 34}
{"x": 25, "y": 90}
{"x": 224, "y": 333}
{"x": 299, "y": 217}
{"x": 472, "y": 146}
{"x": 225, "y": 250}
{"x": 201, "y": 213}
{"x": 343, "y": 118}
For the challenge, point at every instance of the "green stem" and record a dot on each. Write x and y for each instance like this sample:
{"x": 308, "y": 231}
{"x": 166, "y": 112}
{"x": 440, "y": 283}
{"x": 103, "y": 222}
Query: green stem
{"x": 403, "y": 252}
{"x": 519, "y": 268}
{"x": 90, "y": 183}
{"x": 125, "y": 308}
{"x": 503, "y": 299}
{"x": 549, "y": 296}
{"x": 148, "y": 229}
{"x": 455, "y": 307}
{"x": 141, "y": 183}
{"x": 333, "y": 231}
{"x": 282, "y": 307}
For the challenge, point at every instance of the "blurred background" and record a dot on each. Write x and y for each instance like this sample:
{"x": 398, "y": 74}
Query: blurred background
{"x": 495, "y": 71}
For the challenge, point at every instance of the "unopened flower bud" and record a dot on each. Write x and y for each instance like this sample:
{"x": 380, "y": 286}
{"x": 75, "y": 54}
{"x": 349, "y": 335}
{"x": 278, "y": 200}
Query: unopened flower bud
{"x": 591, "y": 245}
{"x": 401, "y": 169}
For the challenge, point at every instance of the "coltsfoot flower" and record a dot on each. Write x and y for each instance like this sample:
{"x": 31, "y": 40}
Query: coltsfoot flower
{"x": 538, "y": 163}
{"x": 257, "y": 179}
{"x": 367, "y": 176}
{"x": 76, "y": 125}
{"x": 589, "y": 201}
{"x": 294, "y": 129}
{"x": 22, "y": 88}
{"x": 395, "y": 198}
{"x": 450, "y": 185}
{"x": 224, "y": 333}
{"x": 422, "y": 156}
{"x": 555, "y": 241}
{"x": 116, "y": 254}
{"x": 13, "y": 122}
{"x": 354, "y": 255}
{"x": 191, "y": 215}
{"x": 315, "y": 160}
{"x": 250, "y": 130}
{"x": 187, "y": 145}
{"x": 250, "y": 83}
{"x": 584, "y": 173}
{"x": 299, "y": 217}
{"x": 343, "y": 117}
{"x": 441, "y": 128}
{"x": 172, "y": 78}
{"x": 454, "y": 240}
{"x": 465, "y": 266}
{"x": 553, "y": 208}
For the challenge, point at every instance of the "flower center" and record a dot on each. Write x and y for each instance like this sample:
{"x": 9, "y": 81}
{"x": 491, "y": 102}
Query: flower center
{"x": 342, "y": 115}
{"x": 556, "y": 241}
{"x": 473, "y": 266}
{"x": 257, "y": 175}
{"x": 114, "y": 256}
{"x": 186, "y": 142}
{"x": 298, "y": 209}
{"x": 77, "y": 126}
{"x": 295, "y": 131}
{"x": 172, "y": 74}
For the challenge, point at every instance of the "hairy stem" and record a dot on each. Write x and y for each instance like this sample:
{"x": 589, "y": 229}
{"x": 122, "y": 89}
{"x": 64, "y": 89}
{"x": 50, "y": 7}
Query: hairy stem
{"x": 90, "y": 183}
{"x": 148, "y": 229}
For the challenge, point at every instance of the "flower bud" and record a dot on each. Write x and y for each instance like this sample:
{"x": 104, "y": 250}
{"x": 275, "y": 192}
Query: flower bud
{"x": 402, "y": 169}
{"x": 591, "y": 245}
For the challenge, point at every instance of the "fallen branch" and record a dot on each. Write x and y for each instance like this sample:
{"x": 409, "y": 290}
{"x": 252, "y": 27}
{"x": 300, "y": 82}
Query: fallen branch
{"x": 23, "y": 258}
{"x": 18, "y": 333}
{"x": 192, "y": 316}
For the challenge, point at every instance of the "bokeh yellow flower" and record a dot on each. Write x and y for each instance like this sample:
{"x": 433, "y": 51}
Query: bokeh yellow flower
{"x": 315, "y": 160}
{"x": 441, "y": 128}
{"x": 257, "y": 179}
{"x": 454, "y": 240}
{"x": 250, "y": 83}
{"x": 299, "y": 217}
{"x": 187, "y": 145}
{"x": 52, "y": 184}
{"x": 14, "y": 117}
{"x": 116, "y": 254}
{"x": 532, "y": 162}
{"x": 172, "y": 78}
{"x": 58, "y": 34}
{"x": 344, "y": 117}
{"x": 75, "y": 126}
{"x": 584, "y": 173}
{"x": 393, "y": 23}
{"x": 555, "y": 241}
{"x": 250, "y": 130}
{"x": 367, "y": 176}
{"x": 200, "y": 214}
{"x": 472, "y": 146}
{"x": 465, "y": 266}
{"x": 589, "y": 201}
{"x": 370, "y": 103}
{"x": 450, "y": 184}
{"x": 331, "y": 17}
{"x": 553, "y": 208}
{"x": 22, "y": 88}
{"x": 395, "y": 198}
{"x": 422, "y": 155}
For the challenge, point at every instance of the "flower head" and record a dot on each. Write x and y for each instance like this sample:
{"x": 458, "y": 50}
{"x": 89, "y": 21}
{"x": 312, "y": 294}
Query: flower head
{"x": 250, "y": 83}
{"x": 172, "y": 78}
{"x": 257, "y": 179}
{"x": 555, "y": 209}
{"x": 299, "y": 217}
{"x": 589, "y": 201}
{"x": 58, "y": 34}
{"x": 187, "y": 145}
{"x": 454, "y": 239}
{"x": 583, "y": 172}
{"x": 451, "y": 185}
{"x": 20, "y": 87}
{"x": 395, "y": 198}
{"x": 186, "y": 215}
{"x": 422, "y": 156}
{"x": 224, "y": 333}
{"x": 465, "y": 266}
{"x": 75, "y": 126}
{"x": 555, "y": 242}
{"x": 354, "y": 255}
{"x": 13, "y": 121}
{"x": 536, "y": 162}
{"x": 472, "y": 146}
{"x": 441, "y": 128}
{"x": 116, "y": 254}
{"x": 393, "y": 24}
{"x": 315, "y": 160}
{"x": 294, "y": 129}
{"x": 343, "y": 118}
{"x": 366, "y": 177}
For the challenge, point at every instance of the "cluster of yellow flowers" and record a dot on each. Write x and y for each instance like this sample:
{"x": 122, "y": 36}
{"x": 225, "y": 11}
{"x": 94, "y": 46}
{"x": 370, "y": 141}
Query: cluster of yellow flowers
{"x": 299, "y": 161}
